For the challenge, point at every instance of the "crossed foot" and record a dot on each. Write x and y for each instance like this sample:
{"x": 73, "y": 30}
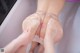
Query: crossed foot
{"x": 40, "y": 29}
{"x": 45, "y": 28}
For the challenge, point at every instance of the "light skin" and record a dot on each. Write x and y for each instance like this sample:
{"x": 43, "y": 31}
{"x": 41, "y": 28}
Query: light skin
{"x": 29, "y": 30}
{"x": 54, "y": 8}
{"x": 41, "y": 24}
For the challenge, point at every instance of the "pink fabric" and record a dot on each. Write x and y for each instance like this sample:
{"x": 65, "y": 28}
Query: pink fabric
{"x": 73, "y": 0}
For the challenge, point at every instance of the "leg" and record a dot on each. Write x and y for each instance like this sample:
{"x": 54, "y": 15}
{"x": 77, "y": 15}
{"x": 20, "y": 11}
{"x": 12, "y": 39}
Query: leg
{"x": 42, "y": 6}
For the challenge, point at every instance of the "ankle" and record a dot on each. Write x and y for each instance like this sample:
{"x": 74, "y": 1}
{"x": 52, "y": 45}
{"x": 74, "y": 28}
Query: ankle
{"x": 52, "y": 15}
{"x": 41, "y": 13}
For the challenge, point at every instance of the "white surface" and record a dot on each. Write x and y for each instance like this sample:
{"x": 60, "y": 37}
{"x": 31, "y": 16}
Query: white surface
{"x": 70, "y": 19}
